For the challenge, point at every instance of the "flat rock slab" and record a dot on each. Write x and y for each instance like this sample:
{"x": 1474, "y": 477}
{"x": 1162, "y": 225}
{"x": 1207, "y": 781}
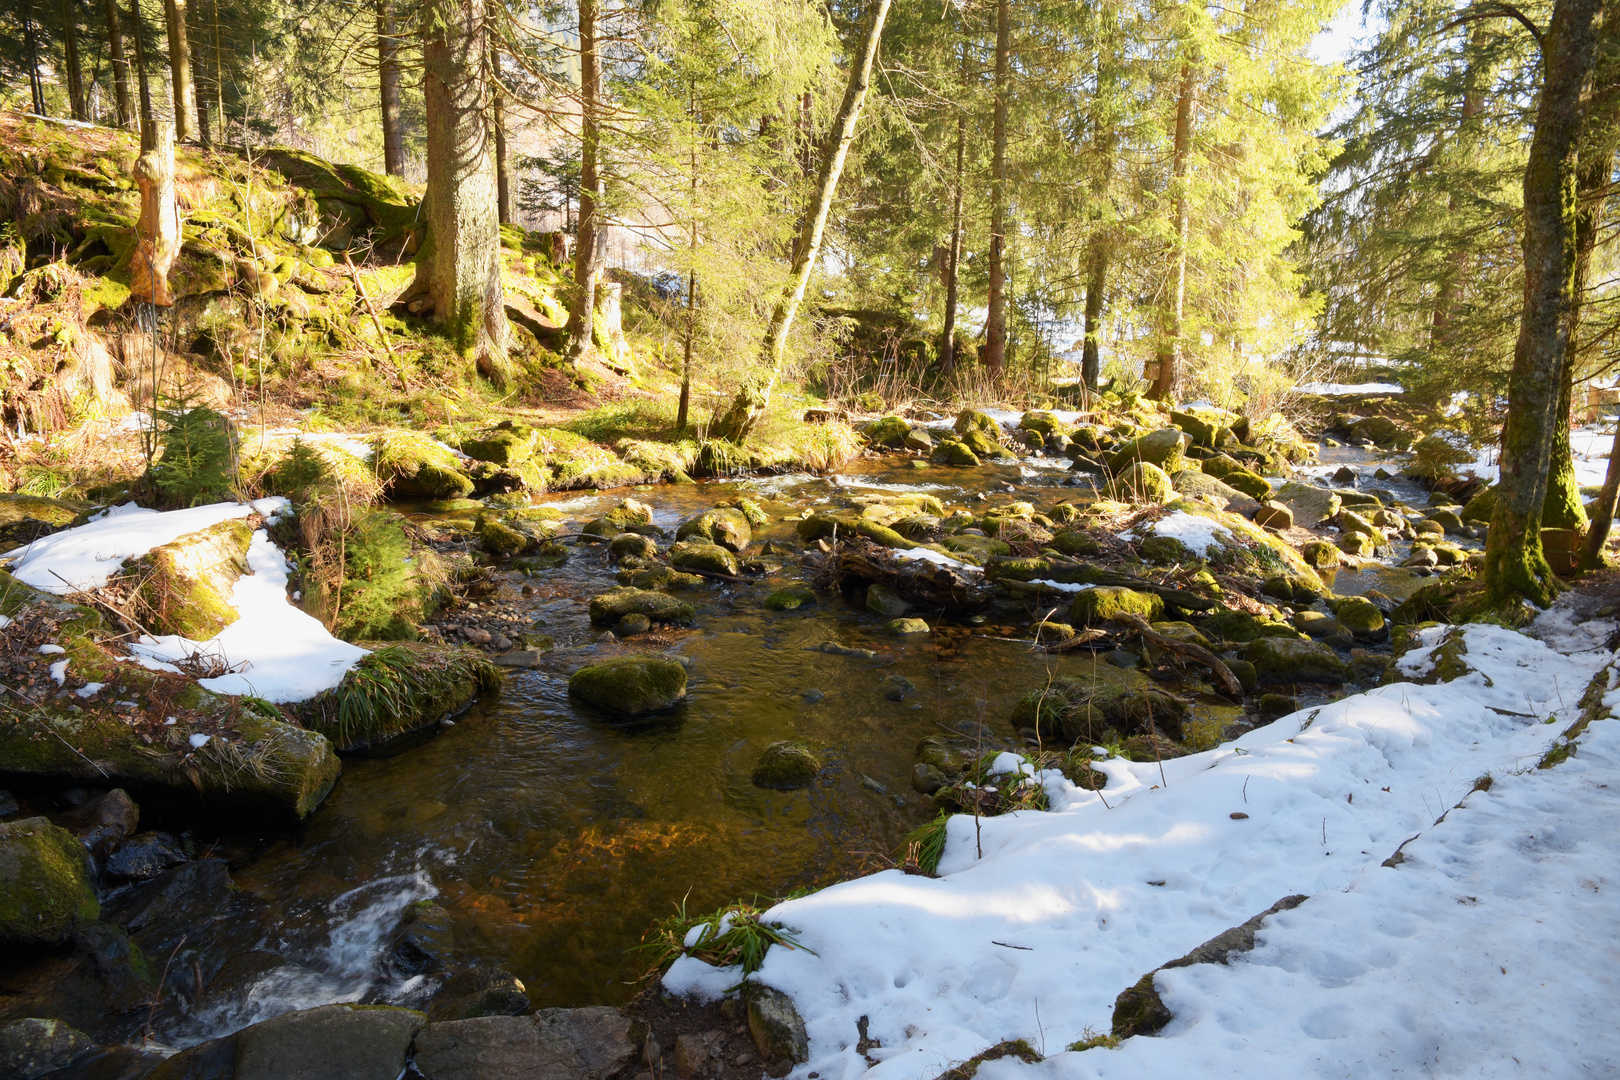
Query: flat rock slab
{"x": 331, "y": 1042}
{"x": 1310, "y": 505}
{"x": 553, "y": 1044}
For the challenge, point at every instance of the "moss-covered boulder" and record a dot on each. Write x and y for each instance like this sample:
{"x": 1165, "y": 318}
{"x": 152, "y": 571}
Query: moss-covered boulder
{"x": 633, "y": 546}
{"x": 1311, "y": 505}
{"x": 500, "y": 539}
{"x": 954, "y": 452}
{"x": 1358, "y": 544}
{"x": 985, "y": 445}
{"x": 412, "y": 466}
{"x": 1199, "y": 485}
{"x": 26, "y": 518}
{"x": 1450, "y": 522}
{"x": 631, "y": 685}
{"x": 606, "y": 609}
{"x": 1360, "y": 616}
{"x": 790, "y": 598}
{"x": 1319, "y": 554}
{"x": 1079, "y": 542}
{"x": 659, "y": 577}
{"x": 889, "y": 431}
{"x": 1285, "y": 660}
{"x": 1250, "y": 483}
{"x": 1478, "y": 510}
{"x": 1096, "y": 606}
{"x": 1162, "y": 448}
{"x": 973, "y": 420}
{"x": 785, "y": 765}
{"x": 184, "y": 586}
{"x": 1043, "y": 424}
{"x": 1142, "y": 482}
{"x": 725, "y": 526}
{"x": 507, "y": 443}
{"x": 1205, "y": 427}
{"x": 907, "y": 627}
{"x": 45, "y": 891}
{"x": 400, "y": 688}
{"x": 697, "y": 556}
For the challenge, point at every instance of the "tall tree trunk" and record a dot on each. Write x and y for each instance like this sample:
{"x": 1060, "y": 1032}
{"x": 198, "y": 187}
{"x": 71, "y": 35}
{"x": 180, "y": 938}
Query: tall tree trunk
{"x": 120, "y": 66}
{"x": 36, "y": 89}
{"x": 388, "y": 81}
{"x": 1596, "y": 164}
{"x": 70, "y": 53}
{"x": 1096, "y": 281}
{"x": 751, "y": 402}
{"x": 503, "y": 191}
{"x": 1164, "y": 380}
{"x": 463, "y": 265}
{"x": 148, "y": 118}
{"x": 682, "y": 414}
{"x": 953, "y": 269}
{"x": 205, "y": 129}
{"x": 157, "y": 232}
{"x": 219, "y": 83}
{"x": 185, "y": 92}
{"x": 587, "y": 249}
{"x": 1515, "y": 567}
{"x": 995, "y": 326}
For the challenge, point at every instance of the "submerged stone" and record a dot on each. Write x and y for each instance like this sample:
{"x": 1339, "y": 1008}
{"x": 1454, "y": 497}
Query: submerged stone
{"x": 790, "y": 598}
{"x": 786, "y": 765}
{"x": 631, "y": 685}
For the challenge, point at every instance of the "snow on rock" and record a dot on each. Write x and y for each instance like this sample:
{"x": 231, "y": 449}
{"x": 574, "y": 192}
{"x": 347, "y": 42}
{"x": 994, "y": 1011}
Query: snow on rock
{"x": 85, "y": 557}
{"x": 930, "y": 555}
{"x": 1198, "y": 534}
{"x": 1038, "y": 920}
{"x": 275, "y": 650}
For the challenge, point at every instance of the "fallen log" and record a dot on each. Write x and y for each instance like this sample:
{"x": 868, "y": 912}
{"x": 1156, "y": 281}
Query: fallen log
{"x": 1196, "y": 653}
{"x": 923, "y": 584}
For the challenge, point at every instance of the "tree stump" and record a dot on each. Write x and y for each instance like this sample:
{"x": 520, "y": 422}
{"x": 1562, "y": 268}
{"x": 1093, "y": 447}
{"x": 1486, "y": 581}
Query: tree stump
{"x": 158, "y": 231}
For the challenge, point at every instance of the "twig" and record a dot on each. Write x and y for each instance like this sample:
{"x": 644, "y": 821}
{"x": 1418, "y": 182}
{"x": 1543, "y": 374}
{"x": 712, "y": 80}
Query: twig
{"x": 1192, "y": 652}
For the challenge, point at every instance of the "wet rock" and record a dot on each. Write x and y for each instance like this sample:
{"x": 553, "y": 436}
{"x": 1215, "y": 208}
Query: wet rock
{"x": 104, "y": 821}
{"x": 927, "y": 779}
{"x": 1310, "y": 505}
{"x": 426, "y": 940}
{"x": 785, "y": 766}
{"x": 1281, "y": 660}
{"x": 1450, "y": 522}
{"x": 918, "y": 439}
{"x": 145, "y": 856}
{"x": 1097, "y": 606}
{"x": 501, "y": 540}
{"x": 1315, "y": 623}
{"x": 1123, "y": 658}
{"x": 890, "y": 431}
{"x": 884, "y": 601}
{"x": 45, "y": 891}
{"x": 1161, "y": 449}
{"x": 833, "y": 648}
{"x": 1274, "y": 515}
{"x": 905, "y": 627}
{"x": 954, "y": 452}
{"x": 172, "y": 905}
{"x": 775, "y": 1024}
{"x": 1421, "y": 555}
{"x": 1382, "y": 432}
{"x": 1142, "y": 482}
{"x": 1358, "y": 544}
{"x": 606, "y": 609}
{"x": 632, "y": 624}
{"x": 481, "y": 990}
{"x": 703, "y": 556}
{"x": 1359, "y": 616}
{"x": 600, "y": 528}
{"x": 1351, "y": 522}
{"x": 659, "y": 577}
{"x": 554, "y": 1044}
{"x": 790, "y": 598}
{"x": 724, "y": 526}
{"x": 1344, "y": 474}
{"x": 329, "y": 1042}
{"x": 632, "y": 545}
{"x": 631, "y": 685}
{"x": 33, "y": 1047}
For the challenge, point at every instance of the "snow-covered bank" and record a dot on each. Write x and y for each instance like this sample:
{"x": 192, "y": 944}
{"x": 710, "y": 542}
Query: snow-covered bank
{"x": 1343, "y": 389}
{"x": 1039, "y": 920}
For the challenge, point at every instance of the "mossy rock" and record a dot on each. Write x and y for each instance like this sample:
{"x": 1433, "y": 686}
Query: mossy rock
{"x": 402, "y": 687}
{"x": 973, "y": 420}
{"x": 1360, "y": 616}
{"x": 631, "y": 685}
{"x": 1249, "y": 483}
{"x": 1200, "y": 485}
{"x": 785, "y": 765}
{"x": 1044, "y": 424}
{"x": 1479, "y": 509}
{"x": 1284, "y": 660}
{"x": 507, "y": 443}
{"x": 185, "y": 585}
{"x": 1382, "y": 432}
{"x": 975, "y": 549}
{"x": 956, "y": 453}
{"x": 907, "y": 627}
{"x": 1097, "y": 606}
{"x": 1241, "y": 627}
{"x": 1152, "y": 747}
{"x": 633, "y": 545}
{"x": 606, "y": 609}
{"x": 697, "y": 555}
{"x": 26, "y": 518}
{"x": 984, "y": 445}
{"x": 501, "y": 540}
{"x": 889, "y": 431}
{"x": 1311, "y": 505}
{"x": 1206, "y": 429}
{"x": 1319, "y": 554}
{"x": 659, "y": 577}
{"x": 1164, "y": 550}
{"x": 412, "y": 466}
{"x": 884, "y": 601}
{"x": 1078, "y": 542}
{"x": 45, "y": 889}
{"x": 1184, "y": 632}
{"x": 1358, "y": 544}
{"x": 1142, "y": 482}
{"x": 1161, "y": 449}
{"x": 791, "y": 598}
{"x": 723, "y": 525}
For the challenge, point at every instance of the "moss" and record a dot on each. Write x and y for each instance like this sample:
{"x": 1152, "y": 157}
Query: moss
{"x": 186, "y": 584}
{"x": 1017, "y": 1048}
{"x": 45, "y": 890}
{"x": 889, "y": 431}
{"x": 413, "y": 466}
{"x": 501, "y": 540}
{"x": 395, "y": 689}
{"x": 508, "y": 443}
{"x": 696, "y": 555}
{"x": 953, "y": 452}
{"x": 1290, "y": 660}
{"x": 631, "y": 685}
{"x": 1099, "y": 605}
{"x": 1142, "y": 482}
{"x": 606, "y": 609}
{"x": 1161, "y": 449}
{"x": 785, "y": 766}
{"x": 724, "y": 526}
{"x": 1359, "y": 616}
{"x": 973, "y": 420}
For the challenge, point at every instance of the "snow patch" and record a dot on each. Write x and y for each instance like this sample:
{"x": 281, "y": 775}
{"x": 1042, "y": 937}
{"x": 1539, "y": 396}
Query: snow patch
{"x": 1198, "y": 534}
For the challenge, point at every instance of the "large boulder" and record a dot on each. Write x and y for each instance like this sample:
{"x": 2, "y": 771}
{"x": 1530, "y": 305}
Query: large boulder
{"x": 889, "y": 431}
{"x": 973, "y": 420}
{"x": 1201, "y": 485}
{"x": 606, "y": 609}
{"x": 697, "y": 556}
{"x": 185, "y": 585}
{"x": 954, "y": 452}
{"x": 45, "y": 891}
{"x": 1360, "y": 616}
{"x": 507, "y": 443}
{"x": 1043, "y": 424}
{"x": 1161, "y": 448}
{"x": 1289, "y": 660}
{"x": 631, "y": 685}
{"x": 592, "y": 1043}
{"x": 1310, "y": 505}
{"x": 413, "y": 466}
{"x": 1205, "y": 427}
{"x": 328, "y": 1042}
{"x": 1098, "y": 605}
{"x": 723, "y": 525}
{"x": 33, "y": 1047}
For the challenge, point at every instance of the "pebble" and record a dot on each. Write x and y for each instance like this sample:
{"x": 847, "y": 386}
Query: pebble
{"x": 477, "y": 636}
{"x": 813, "y": 696}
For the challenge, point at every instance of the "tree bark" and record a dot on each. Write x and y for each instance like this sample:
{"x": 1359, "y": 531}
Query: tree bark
{"x": 462, "y": 267}
{"x": 1596, "y": 165}
{"x": 36, "y": 89}
{"x": 587, "y": 249}
{"x": 157, "y": 232}
{"x": 185, "y": 92}
{"x": 995, "y": 326}
{"x": 1169, "y": 359}
{"x": 70, "y": 55}
{"x": 750, "y": 403}
{"x": 503, "y": 196}
{"x": 1515, "y": 567}
{"x": 953, "y": 269}
{"x": 120, "y": 66}
{"x": 219, "y": 83}
{"x": 148, "y": 119}
{"x": 388, "y": 82}
{"x": 1096, "y": 281}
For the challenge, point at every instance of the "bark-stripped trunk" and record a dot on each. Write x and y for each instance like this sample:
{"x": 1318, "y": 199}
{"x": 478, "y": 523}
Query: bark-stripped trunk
{"x": 995, "y": 326}
{"x": 1169, "y": 359}
{"x": 1515, "y": 567}
{"x": 463, "y": 264}
{"x": 122, "y": 93}
{"x": 157, "y": 233}
{"x": 388, "y": 81}
{"x": 148, "y": 118}
{"x": 587, "y": 253}
{"x": 1096, "y": 282}
{"x": 70, "y": 54}
{"x": 185, "y": 92}
{"x": 751, "y": 402}
{"x": 953, "y": 269}
{"x": 503, "y": 196}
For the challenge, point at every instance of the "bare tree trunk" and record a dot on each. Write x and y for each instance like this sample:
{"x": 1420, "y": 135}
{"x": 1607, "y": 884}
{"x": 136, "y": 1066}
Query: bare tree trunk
{"x": 205, "y": 129}
{"x": 587, "y": 249}
{"x": 750, "y": 404}
{"x": 388, "y": 81}
{"x": 157, "y": 233}
{"x": 995, "y": 326}
{"x": 1169, "y": 360}
{"x": 1596, "y": 165}
{"x": 185, "y": 92}
{"x": 219, "y": 83}
{"x": 463, "y": 265}
{"x": 120, "y": 66}
{"x": 953, "y": 268}
{"x": 503, "y": 197}
{"x": 70, "y": 52}
{"x": 36, "y": 89}
{"x": 148, "y": 119}
{"x": 1096, "y": 282}
{"x": 1515, "y": 568}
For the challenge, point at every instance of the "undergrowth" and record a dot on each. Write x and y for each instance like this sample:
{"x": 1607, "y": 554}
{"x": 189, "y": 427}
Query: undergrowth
{"x": 736, "y": 935}
{"x": 393, "y": 689}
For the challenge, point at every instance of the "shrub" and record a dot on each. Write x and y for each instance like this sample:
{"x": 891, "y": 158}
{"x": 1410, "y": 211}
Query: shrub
{"x": 197, "y": 462}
